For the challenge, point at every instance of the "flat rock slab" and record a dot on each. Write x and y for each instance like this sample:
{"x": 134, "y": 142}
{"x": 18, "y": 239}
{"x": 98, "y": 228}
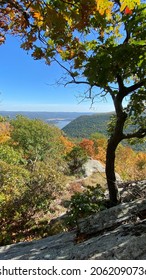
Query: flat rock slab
{"x": 120, "y": 235}
{"x": 124, "y": 242}
{"x": 112, "y": 217}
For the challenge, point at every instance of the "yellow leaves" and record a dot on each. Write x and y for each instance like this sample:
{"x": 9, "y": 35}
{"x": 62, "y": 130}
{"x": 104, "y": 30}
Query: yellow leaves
{"x": 129, "y": 3}
{"x": 38, "y": 17}
{"x": 4, "y": 132}
{"x": 68, "y": 19}
{"x": 105, "y": 6}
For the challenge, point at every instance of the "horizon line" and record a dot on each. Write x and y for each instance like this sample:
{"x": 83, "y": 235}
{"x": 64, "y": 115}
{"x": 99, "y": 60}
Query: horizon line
{"x": 56, "y": 111}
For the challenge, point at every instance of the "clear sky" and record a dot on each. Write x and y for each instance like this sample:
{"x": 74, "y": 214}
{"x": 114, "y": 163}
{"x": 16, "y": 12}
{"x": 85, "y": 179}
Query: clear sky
{"x": 30, "y": 85}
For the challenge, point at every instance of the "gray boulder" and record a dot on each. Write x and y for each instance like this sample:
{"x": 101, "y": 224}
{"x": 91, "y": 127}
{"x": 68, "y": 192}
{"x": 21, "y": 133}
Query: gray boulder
{"x": 92, "y": 166}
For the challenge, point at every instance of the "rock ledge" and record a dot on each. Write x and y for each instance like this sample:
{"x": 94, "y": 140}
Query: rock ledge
{"x": 115, "y": 233}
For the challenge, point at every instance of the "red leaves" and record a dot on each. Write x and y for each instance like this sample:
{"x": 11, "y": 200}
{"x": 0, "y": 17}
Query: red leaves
{"x": 127, "y": 11}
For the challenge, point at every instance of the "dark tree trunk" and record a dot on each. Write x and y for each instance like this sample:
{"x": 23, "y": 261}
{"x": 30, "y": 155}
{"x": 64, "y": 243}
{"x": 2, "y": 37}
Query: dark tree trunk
{"x": 110, "y": 172}
{"x": 113, "y": 142}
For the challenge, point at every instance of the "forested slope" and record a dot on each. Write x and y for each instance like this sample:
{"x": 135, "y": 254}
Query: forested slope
{"x": 84, "y": 126}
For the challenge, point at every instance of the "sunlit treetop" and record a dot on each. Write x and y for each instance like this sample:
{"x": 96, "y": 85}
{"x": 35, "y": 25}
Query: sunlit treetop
{"x": 89, "y": 34}
{"x": 23, "y": 15}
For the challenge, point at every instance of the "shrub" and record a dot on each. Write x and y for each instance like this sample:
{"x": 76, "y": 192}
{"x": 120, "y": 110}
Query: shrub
{"x": 76, "y": 158}
{"x": 47, "y": 182}
{"x": 14, "y": 181}
{"x": 10, "y": 156}
{"x": 88, "y": 146}
{"x": 24, "y": 194}
{"x": 84, "y": 204}
{"x": 35, "y": 138}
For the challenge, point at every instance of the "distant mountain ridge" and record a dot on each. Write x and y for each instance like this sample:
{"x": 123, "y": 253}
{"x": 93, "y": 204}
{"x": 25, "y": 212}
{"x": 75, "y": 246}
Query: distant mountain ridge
{"x": 59, "y": 119}
{"x": 84, "y": 126}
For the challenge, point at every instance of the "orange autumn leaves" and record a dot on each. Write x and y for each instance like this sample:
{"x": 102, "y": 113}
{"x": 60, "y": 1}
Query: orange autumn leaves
{"x": 130, "y": 164}
{"x": 5, "y": 131}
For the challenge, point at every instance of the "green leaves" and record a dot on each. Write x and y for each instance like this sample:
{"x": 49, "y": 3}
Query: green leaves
{"x": 35, "y": 137}
{"x": 76, "y": 158}
{"x": 84, "y": 204}
{"x": 9, "y": 155}
{"x": 31, "y": 175}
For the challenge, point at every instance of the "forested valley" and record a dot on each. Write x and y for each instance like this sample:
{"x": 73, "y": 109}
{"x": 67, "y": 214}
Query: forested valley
{"x": 41, "y": 177}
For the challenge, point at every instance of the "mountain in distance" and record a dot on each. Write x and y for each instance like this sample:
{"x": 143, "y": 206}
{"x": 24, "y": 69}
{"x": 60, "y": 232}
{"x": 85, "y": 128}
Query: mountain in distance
{"x": 84, "y": 126}
{"x": 60, "y": 119}
{"x": 74, "y": 124}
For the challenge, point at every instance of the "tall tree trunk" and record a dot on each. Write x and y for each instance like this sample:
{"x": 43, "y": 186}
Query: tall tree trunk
{"x": 110, "y": 171}
{"x": 113, "y": 142}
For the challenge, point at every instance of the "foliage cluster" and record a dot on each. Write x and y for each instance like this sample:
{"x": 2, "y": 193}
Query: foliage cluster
{"x": 4, "y": 130}
{"x": 76, "y": 158}
{"x": 31, "y": 174}
{"x": 90, "y": 201}
{"x": 129, "y": 164}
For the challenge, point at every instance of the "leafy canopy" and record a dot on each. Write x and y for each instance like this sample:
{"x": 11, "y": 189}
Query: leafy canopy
{"x": 35, "y": 138}
{"x": 99, "y": 43}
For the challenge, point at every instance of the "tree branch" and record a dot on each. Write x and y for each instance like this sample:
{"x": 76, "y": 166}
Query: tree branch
{"x": 141, "y": 133}
{"x": 74, "y": 81}
{"x": 127, "y": 90}
{"x": 69, "y": 3}
{"x": 134, "y": 87}
{"x": 118, "y": 2}
{"x": 127, "y": 35}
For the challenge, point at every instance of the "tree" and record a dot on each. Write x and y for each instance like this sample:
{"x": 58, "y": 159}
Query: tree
{"x": 99, "y": 43}
{"x": 76, "y": 158}
{"x": 36, "y": 139}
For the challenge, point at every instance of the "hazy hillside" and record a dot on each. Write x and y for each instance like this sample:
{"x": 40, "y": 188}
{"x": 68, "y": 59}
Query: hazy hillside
{"x": 60, "y": 119}
{"x": 84, "y": 126}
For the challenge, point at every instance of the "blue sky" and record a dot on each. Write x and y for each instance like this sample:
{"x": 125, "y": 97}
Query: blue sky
{"x": 30, "y": 85}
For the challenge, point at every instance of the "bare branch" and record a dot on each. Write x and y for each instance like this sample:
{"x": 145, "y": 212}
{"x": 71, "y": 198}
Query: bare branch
{"x": 74, "y": 81}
